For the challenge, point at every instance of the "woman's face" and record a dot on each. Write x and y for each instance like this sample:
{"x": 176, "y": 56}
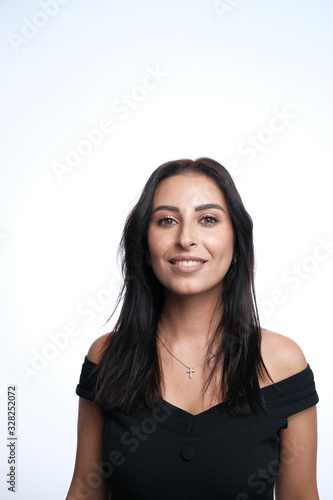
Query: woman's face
{"x": 190, "y": 235}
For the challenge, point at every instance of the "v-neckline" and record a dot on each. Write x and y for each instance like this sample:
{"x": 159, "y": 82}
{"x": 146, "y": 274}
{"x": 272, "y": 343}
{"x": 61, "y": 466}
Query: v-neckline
{"x": 193, "y": 415}
{"x": 217, "y": 406}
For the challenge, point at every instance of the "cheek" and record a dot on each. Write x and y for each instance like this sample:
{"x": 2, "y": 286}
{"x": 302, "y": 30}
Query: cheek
{"x": 155, "y": 245}
{"x": 222, "y": 244}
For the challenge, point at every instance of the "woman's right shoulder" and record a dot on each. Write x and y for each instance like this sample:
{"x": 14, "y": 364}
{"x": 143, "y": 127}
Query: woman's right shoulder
{"x": 97, "y": 347}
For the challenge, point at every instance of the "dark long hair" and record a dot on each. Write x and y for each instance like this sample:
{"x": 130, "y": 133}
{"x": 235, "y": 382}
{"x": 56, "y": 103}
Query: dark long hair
{"x": 129, "y": 374}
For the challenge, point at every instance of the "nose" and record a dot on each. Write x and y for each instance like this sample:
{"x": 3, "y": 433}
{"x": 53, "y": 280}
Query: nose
{"x": 186, "y": 237}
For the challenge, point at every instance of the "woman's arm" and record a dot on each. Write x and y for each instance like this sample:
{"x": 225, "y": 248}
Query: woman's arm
{"x": 88, "y": 481}
{"x": 296, "y": 479}
{"x": 298, "y": 454}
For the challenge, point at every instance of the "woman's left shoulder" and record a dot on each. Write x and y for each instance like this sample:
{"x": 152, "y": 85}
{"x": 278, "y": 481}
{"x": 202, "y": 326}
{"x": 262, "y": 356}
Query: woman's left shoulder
{"x": 282, "y": 356}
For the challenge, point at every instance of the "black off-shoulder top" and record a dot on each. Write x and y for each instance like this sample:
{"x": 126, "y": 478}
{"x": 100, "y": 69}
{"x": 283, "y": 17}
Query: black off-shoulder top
{"x": 166, "y": 453}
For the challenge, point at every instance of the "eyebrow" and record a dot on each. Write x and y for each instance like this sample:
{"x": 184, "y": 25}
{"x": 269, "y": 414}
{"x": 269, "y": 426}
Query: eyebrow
{"x": 206, "y": 206}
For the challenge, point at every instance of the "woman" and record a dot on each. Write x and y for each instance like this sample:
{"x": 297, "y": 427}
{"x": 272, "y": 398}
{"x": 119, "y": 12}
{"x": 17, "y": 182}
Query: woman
{"x": 188, "y": 398}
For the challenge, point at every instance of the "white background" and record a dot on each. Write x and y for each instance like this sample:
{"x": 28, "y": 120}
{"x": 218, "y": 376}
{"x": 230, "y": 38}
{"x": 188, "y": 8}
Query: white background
{"x": 222, "y": 73}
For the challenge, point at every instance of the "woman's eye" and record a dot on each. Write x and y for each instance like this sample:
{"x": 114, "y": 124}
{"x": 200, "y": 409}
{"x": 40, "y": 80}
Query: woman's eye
{"x": 208, "y": 220}
{"x": 166, "y": 221}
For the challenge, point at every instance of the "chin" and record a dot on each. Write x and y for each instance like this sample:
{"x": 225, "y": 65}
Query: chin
{"x": 195, "y": 291}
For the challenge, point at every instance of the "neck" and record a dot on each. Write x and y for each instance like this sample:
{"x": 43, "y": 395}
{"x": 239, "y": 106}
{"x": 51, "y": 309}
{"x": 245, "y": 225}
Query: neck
{"x": 190, "y": 319}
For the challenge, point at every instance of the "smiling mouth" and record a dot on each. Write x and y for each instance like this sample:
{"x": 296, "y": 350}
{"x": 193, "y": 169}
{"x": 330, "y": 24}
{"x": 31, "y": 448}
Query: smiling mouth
{"x": 186, "y": 263}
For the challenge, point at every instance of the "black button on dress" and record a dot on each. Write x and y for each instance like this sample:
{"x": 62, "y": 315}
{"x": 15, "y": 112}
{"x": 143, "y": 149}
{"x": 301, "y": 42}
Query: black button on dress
{"x": 187, "y": 452}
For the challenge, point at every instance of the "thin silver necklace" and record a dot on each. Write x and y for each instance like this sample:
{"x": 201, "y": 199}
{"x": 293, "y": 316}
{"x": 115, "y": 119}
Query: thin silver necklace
{"x": 190, "y": 370}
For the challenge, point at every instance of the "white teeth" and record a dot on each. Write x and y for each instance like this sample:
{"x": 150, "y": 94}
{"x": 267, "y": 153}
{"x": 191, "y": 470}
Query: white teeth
{"x": 187, "y": 262}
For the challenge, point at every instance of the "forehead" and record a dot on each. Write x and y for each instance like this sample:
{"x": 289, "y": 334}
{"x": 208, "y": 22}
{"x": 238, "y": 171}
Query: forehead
{"x": 188, "y": 188}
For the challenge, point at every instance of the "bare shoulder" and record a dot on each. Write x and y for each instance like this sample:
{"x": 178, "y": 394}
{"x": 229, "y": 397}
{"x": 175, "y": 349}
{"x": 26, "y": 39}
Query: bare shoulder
{"x": 96, "y": 349}
{"x": 282, "y": 356}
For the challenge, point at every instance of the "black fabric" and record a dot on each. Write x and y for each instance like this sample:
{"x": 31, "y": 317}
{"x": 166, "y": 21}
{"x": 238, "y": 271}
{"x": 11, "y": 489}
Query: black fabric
{"x": 165, "y": 453}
